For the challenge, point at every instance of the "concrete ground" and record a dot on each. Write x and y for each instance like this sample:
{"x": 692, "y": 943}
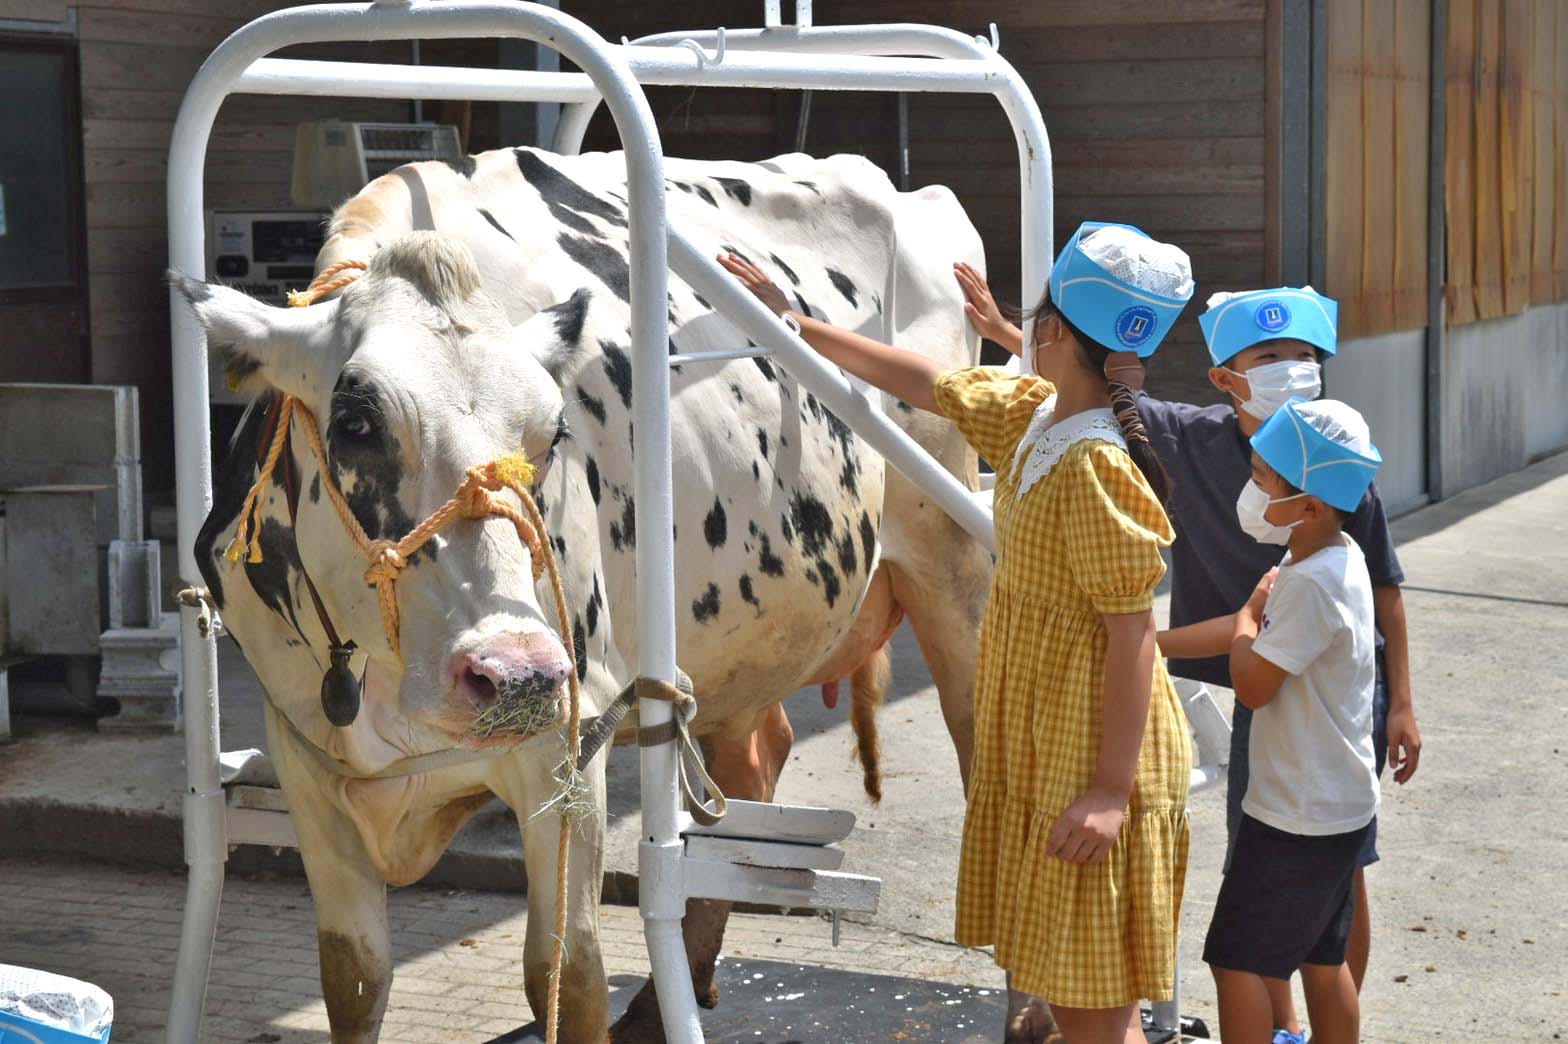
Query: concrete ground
{"x": 1470, "y": 934}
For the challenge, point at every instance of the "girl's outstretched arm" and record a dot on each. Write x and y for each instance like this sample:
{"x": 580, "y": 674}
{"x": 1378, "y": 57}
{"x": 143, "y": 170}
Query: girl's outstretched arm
{"x": 907, "y": 375}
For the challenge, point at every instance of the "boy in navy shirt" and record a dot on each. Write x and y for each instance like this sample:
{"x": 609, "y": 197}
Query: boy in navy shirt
{"x": 1266, "y": 346}
{"x": 1301, "y": 654}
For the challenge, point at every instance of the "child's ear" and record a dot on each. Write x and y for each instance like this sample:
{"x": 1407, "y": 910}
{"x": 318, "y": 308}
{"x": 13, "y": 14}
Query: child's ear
{"x": 1225, "y": 381}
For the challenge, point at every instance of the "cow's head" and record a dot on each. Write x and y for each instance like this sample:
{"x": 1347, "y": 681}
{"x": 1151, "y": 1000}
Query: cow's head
{"x": 415, "y": 374}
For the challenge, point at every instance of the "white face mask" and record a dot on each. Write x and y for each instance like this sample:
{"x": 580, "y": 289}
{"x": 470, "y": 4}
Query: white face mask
{"x": 1275, "y": 384}
{"x": 1251, "y": 505}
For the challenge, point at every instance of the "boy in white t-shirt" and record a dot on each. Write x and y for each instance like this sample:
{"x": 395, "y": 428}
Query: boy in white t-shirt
{"x": 1302, "y": 657}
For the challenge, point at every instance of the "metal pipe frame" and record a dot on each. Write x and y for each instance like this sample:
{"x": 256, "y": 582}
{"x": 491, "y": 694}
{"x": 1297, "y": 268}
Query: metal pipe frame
{"x": 1037, "y": 229}
{"x": 610, "y": 73}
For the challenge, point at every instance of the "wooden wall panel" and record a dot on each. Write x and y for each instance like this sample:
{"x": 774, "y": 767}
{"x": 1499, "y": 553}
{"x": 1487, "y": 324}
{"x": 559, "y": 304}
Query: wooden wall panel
{"x": 1377, "y": 119}
{"x": 1507, "y": 151}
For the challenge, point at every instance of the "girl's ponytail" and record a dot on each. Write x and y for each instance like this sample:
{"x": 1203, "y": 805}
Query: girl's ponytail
{"x": 1124, "y": 402}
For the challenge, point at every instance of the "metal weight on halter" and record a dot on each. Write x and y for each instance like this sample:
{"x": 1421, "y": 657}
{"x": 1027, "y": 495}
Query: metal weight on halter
{"x": 340, "y": 690}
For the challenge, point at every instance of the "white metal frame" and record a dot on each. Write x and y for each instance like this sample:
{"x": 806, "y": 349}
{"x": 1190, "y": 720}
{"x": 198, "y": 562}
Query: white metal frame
{"x": 837, "y": 58}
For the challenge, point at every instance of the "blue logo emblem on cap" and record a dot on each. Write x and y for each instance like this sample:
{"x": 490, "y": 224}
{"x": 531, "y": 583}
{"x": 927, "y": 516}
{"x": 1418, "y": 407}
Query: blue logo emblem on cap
{"x": 1136, "y": 325}
{"x": 1273, "y": 316}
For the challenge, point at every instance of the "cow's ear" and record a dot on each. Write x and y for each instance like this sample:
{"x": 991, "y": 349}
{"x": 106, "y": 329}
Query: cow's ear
{"x": 262, "y": 345}
{"x": 555, "y": 334}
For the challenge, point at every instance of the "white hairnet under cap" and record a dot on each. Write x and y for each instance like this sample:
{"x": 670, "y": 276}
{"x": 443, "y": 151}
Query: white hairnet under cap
{"x": 1148, "y": 264}
{"x": 1338, "y": 422}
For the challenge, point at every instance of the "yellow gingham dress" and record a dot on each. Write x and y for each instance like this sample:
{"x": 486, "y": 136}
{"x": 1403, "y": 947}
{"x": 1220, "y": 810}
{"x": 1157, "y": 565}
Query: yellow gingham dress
{"x": 1084, "y": 540}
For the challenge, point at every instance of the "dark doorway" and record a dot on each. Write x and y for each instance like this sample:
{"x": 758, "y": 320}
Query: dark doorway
{"x": 43, "y": 299}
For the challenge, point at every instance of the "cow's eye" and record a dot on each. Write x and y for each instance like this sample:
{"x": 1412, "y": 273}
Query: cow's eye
{"x": 353, "y": 425}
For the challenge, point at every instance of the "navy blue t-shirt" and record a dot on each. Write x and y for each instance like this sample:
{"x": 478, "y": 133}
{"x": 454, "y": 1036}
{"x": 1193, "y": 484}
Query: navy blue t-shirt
{"x": 1214, "y": 565}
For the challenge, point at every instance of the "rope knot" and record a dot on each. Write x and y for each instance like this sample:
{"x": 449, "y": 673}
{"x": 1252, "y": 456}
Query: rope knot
{"x": 386, "y": 562}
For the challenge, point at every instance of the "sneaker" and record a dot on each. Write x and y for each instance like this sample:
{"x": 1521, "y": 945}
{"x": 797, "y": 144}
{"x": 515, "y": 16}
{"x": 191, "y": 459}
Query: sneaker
{"x": 1287, "y": 1037}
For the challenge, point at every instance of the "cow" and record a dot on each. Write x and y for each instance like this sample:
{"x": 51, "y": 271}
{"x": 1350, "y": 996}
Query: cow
{"x": 493, "y": 317}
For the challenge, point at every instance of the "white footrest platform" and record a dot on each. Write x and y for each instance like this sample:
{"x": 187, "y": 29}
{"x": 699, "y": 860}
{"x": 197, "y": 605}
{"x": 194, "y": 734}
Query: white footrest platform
{"x": 780, "y": 855}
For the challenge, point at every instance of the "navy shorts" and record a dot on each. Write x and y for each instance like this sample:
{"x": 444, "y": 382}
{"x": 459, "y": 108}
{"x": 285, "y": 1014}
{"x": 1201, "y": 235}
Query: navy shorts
{"x": 1240, "y": 742}
{"x": 1287, "y": 901}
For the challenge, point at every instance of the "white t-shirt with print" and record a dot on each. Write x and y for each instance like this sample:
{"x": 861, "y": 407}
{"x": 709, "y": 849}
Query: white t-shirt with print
{"x": 1311, "y": 764}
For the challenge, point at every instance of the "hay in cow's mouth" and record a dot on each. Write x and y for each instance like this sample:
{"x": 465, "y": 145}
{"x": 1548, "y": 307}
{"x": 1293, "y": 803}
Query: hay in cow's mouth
{"x": 514, "y": 718}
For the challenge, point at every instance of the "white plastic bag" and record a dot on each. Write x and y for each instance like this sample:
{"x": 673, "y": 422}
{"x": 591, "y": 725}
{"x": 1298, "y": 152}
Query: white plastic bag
{"x": 56, "y": 1001}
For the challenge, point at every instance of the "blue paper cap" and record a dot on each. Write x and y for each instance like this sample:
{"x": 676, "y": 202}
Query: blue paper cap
{"x": 1243, "y": 320}
{"x": 1114, "y": 313}
{"x": 1336, "y": 467}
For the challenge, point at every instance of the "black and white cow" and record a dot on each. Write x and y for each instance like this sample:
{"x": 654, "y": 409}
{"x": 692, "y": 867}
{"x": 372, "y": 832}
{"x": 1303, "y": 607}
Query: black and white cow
{"x": 494, "y": 316}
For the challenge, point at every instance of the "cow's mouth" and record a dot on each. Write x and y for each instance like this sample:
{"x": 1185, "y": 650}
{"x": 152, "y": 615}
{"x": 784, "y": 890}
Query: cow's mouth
{"x": 520, "y": 710}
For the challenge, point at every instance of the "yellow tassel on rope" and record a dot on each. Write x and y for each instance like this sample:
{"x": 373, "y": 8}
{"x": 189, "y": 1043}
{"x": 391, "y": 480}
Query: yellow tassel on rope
{"x": 514, "y": 469}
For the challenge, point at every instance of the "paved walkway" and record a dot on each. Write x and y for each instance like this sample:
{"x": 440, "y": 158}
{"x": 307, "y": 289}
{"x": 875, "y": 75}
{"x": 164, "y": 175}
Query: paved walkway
{"x": 459, "y": 955}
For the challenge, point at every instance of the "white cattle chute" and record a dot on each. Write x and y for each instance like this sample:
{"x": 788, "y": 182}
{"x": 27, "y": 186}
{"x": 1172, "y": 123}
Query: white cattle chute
{"x": 874, "y": 58}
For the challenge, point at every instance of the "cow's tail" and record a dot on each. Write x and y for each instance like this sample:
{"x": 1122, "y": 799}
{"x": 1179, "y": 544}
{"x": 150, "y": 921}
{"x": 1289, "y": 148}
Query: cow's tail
{"x": 867, "y": 689}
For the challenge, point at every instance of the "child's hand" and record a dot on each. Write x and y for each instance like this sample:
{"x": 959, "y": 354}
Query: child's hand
{"x": 1404, "y": 744}
{"x": 1260, "y": 595}
{"x": 1087, "y": 830}
{"x": 979, "y": 305}
{"x": 755, "y": 280}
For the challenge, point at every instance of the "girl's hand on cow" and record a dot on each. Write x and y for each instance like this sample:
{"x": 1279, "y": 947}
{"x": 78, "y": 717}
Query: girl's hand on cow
{"x": 1087, "y": 830}
{"x": 757, "y": 281}
{"x": 980, "y": 307}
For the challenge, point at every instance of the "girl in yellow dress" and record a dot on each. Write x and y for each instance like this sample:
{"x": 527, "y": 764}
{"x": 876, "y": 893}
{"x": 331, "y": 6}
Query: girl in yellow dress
{"x": 1075, "y": 839}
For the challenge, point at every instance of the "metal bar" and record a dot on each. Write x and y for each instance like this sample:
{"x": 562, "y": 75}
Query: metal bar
{"x": 831, "y": 386}
{"x": 438, "y": 83}
{"x": 1436, "y": 253}
{"x": 720, "y": 355}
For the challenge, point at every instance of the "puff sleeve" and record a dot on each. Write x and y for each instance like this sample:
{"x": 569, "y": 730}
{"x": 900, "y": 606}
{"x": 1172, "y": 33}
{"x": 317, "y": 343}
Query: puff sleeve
{"x": 1114, "y": 528}
{"x": 991, "y": 407}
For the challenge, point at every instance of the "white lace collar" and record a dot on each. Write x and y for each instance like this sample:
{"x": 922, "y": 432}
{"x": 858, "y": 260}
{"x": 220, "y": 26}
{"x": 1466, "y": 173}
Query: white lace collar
{"x": 1046, "y": 441}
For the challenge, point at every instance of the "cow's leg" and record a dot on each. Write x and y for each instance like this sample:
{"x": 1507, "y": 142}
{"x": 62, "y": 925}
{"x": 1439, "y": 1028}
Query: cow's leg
{"x": 585, "y": 992}
{"x": 351, "y": 922}
{"x": 747, "y": 768}
{"x": 945, "y": 601}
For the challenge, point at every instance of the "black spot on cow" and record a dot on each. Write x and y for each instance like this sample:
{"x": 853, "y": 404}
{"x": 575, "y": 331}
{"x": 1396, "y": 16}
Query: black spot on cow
{"x": 605, "y": 261}
{"x": 812, "y": 185}
{"x": 593, "y": 404}
{"x": 706, "y": 607}
{"x": 715, "y": 528}
{"x": 830, "y": 584}
{"x": 570, "y": 314}
{"x": 593, "y": 480}
{"x": 762, "y": 442}
{"x": 736, "y": 189}
{"x": 740, "y": 396}
{"x": 789, "y": 273}
{"x": 702, "y": 300}
{"x": 786, "y": 529}
{"x": 730, "y": 248}
{"x": 464, "y": 165}
{"x": 903, "y": 406}
{"x": 271, "y": 578}
{"x": 618, "y": 367}
{"x": 706, "y": 196}
{"x": 813, "y": 406}
{"x": 868, "y": 538}
{"x": 876, "y": 302}
{"x": 756, "y": 471}
{"x": 846, "y": 554}
{"x": 560, "y": 546}
{"x": 496, "y": 224}
{"x": 842, "y": 284}
{"x": 767, "y": 561}
{"x": 314, "y": 493}
{"x": 805, "y": 309}
{"x": 748, "y": 595}
{"x": 595, "y": 601}
{"x": 580, "y": 648}
{"x": 623, "y": 534}
{"x": 813, "y": 523}
{"x": 359, "y": 448}
{"x": 765, "y": 366}
{"x": 563, "y": 195}
{"x": 230, "y": 487}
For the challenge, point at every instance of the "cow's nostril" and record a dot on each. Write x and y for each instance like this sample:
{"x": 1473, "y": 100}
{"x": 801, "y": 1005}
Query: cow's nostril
{"x": 481, "y": 689}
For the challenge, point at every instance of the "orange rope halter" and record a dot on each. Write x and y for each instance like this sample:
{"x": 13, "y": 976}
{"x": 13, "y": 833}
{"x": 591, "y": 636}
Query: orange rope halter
{"x": 477, "y": 497}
